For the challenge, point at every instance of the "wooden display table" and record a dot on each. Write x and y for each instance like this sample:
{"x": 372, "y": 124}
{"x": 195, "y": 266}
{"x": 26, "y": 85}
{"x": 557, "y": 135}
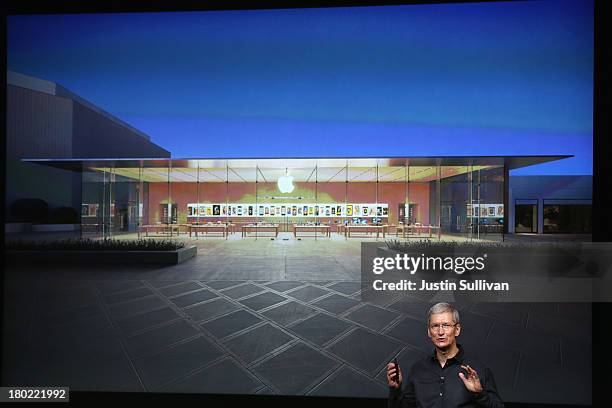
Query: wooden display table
{"x": 378, "y": 229}
{"x": 224, "y": 229}
{"x": 325, "y": 229}
{"x": 415, "y": 229}
{"x": 260, "y": 228}
{"x": 163, "y": 228}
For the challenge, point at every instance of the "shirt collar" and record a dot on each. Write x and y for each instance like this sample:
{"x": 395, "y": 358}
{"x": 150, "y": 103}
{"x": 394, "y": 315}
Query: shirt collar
{"x": 458, "y": 357}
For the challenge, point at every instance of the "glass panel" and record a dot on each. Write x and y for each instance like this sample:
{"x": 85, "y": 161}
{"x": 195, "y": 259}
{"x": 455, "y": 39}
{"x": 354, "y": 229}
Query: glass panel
{"x": 491, "y": 207}
{"x": 241, "y": 197}
{"x": 526, "y": 218}
{"x": 455, "y": 188}
{"x": 92, "y": 203}
{"x": 124, "y": 204}
{"x": 567, "y": 218}
{"x": 363, "y": 205}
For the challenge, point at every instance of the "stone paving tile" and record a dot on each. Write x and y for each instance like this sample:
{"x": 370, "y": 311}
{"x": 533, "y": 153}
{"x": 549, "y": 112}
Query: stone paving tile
{"x": 347, "y": 288}
{"x": 224, "y": 377}
{"x": 283, "y": 286}
{"x": 242, "y": 291}
{"x": 365, "y": 350}
{"x": 84, "y": 334}
{"x": 162, "y": 283}
{"x": 373, "y": 317}
{"x": 159, "y": 369}
{"x": 154, "y": 340}
{"x": 288, "y": 313}
{"x": 320, "y": 283}
{"x": 54, "y": 317}
{"x": 263, "y": 300}
{"x": 183, "y": 287}
{"x": 114, "y": 286}
{"x": 308, "y": 293}
{"x": 412, "y": 307}
{"x": 133, "y": 324}
{"x": 293, "y": 370}
{"x": 125, "y": 309}
{"x": 229, "y": 324}
{"x": 256, "y": 343}
{"x": 102, "y": 367}
{"x": 127, "y": 295}
{"x": 320, "y": 328}
{"x": 412, "y": 332}
{"x": 192, "y": 298}
{"x": 336, "y": 304}
{"x": 204, "y": 311}
{"x": 347, "y": 381}
{"x": 221, "y": 284}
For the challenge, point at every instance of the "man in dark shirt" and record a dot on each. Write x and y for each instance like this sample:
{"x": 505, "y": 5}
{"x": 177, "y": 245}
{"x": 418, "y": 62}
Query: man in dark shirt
{"x": 449, "y": 377}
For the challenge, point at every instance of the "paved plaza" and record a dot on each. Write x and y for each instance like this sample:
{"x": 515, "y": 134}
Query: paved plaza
{"x": 267, "y": 317}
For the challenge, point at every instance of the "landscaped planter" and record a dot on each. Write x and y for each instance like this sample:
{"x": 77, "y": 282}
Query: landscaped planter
{"x": 94, "y": 257}
{"x": 55, "y": 227}
{"x": 14, "y": 227}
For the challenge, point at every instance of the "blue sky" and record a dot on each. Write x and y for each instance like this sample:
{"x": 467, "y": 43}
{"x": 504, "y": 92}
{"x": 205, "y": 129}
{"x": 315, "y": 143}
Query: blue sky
{"x": 502, "y": 78}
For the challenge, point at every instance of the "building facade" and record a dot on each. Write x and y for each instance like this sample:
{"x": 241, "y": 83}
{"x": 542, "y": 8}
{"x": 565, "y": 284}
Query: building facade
{"x": 45, "y": 120}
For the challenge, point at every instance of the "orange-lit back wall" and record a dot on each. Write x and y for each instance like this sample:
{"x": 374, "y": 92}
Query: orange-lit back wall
{"x": 333, "y": 192}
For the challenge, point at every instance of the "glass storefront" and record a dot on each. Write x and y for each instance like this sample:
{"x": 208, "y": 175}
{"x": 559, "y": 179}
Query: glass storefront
{"x": 399, "y": 199}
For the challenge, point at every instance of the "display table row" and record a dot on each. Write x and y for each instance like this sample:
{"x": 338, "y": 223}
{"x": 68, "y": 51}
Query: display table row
{"x": 348, "y": 230}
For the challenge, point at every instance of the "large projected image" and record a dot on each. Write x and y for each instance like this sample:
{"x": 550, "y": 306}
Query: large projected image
{"x": 190, "y": 197}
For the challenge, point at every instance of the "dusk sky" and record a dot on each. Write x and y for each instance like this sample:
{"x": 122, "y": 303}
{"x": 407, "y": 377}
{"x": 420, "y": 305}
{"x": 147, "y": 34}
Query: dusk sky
{"x": 503, "y": 78}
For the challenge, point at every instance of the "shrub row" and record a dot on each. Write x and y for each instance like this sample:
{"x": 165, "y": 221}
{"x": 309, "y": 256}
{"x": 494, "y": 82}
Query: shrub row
{"x": 90, "y": 244}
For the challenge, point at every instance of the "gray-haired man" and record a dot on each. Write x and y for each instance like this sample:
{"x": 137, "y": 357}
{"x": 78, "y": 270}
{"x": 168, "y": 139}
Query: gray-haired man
{"x": 449, "y": 377}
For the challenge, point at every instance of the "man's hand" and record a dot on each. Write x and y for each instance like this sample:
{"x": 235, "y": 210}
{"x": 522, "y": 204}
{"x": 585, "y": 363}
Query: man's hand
{"x": 391, "y": 369}
{"x": 472, "y": 381}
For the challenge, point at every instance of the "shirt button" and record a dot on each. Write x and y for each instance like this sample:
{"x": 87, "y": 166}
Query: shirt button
{"x": 441, "y": 378}
{"x": 440, "y": 394}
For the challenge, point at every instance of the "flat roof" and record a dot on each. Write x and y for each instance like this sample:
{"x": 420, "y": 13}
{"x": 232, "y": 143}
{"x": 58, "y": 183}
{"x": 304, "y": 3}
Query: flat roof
{"x": 327, "y": 169}
{"x": 513, "y": 162}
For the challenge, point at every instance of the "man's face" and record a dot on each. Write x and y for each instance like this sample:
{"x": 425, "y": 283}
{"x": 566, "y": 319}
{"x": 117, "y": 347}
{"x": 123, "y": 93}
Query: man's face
{"x": 443, "y": 330}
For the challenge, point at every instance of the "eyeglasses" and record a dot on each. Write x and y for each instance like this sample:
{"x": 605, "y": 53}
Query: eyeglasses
{"x": 446, "y": 326}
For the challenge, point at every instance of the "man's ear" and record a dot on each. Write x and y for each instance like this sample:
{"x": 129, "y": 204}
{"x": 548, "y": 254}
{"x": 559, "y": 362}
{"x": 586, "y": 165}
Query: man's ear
{"x": 457, "y": 330}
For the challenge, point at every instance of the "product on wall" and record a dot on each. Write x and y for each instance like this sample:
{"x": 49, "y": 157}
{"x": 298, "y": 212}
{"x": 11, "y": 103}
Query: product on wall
{"x": 367, "y": 210}
{"x": 485, "y": 210}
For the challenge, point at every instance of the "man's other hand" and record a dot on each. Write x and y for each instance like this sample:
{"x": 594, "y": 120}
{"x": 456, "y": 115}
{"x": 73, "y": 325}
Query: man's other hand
{"x": 391, "y": 369}
{"x": 472, "y": 381}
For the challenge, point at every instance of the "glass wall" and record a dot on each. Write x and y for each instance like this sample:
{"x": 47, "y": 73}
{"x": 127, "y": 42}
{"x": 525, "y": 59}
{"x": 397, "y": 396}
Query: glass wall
{"x": 409, "y": 198}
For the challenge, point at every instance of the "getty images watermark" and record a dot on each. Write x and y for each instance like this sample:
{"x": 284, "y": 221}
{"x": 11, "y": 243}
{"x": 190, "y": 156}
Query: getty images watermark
{"x": 567, "y": 272}
{"x": 413, "y": 264}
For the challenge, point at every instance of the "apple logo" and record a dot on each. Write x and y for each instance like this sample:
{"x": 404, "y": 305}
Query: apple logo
{"x": 285, "y": 184}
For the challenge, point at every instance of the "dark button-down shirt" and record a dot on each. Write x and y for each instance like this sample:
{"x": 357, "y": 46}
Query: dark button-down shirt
{"x": 429, "y": 385}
